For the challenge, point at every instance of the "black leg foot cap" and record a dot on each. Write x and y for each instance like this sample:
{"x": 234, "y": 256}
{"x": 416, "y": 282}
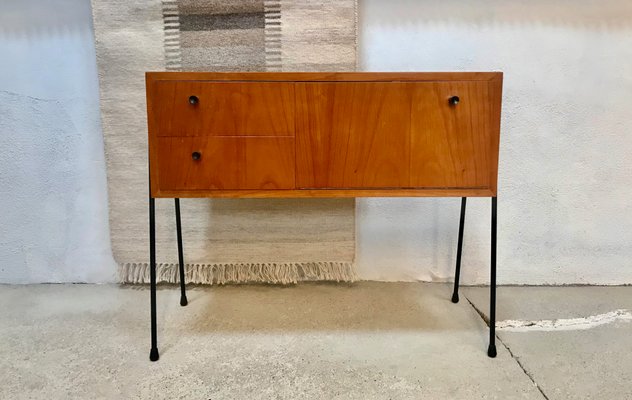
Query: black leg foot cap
{"x": 491, "y": 350}
{"x": 183, "y": 300}
{"x": 455, "y": 298}
{"x": 153, "y": 355}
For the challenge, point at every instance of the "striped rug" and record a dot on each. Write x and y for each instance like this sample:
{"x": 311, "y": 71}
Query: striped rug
{"x": 266, "y": 240}
{"x": 259, "y": 35}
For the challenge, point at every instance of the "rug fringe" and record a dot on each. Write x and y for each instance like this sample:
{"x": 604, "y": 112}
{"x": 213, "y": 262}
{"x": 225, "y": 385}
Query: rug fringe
{"x": 222, "y": 273}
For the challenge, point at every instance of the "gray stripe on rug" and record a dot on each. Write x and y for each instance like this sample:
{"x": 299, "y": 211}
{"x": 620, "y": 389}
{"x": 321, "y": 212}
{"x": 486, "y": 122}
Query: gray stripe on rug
{"x": 209, "y": 22}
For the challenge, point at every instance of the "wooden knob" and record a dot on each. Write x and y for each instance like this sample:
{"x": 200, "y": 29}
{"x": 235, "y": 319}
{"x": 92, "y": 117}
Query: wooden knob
{"x": 196, "y": 155}
{"x": 454, "y": 100}
{"x": 193, "y": 100}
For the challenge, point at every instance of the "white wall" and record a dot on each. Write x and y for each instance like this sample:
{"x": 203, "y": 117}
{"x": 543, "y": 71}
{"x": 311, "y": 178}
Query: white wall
{"x": 565, "y": 214}
{"x": 53, "y": 204}
{"x": 565, "y": 188}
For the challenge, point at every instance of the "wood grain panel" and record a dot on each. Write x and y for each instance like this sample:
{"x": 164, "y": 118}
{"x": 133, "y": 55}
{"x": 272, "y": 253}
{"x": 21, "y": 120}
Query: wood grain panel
{"x": 326, "y": 193}
{"x": 352, "y": 135}
{"x": 226, "y": 163}
{"x": 358, "y": 134}
{"x": 450, "y": 144}
{"x": 495, "y": 102}
{"x": 224, "y": 108}
{"x": 324, "y": 76}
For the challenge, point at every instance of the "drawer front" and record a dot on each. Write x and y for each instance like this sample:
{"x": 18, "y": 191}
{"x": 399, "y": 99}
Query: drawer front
{"x": 198, "y": 108}
{"x": 225, "y": 163}
{"x": 451, "y": 132}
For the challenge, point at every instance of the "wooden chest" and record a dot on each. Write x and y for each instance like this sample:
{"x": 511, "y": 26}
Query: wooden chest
{"x": 323, "y": 134}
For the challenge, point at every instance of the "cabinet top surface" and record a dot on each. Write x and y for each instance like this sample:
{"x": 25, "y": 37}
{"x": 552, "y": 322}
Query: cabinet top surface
{"x": 324, "y": 76}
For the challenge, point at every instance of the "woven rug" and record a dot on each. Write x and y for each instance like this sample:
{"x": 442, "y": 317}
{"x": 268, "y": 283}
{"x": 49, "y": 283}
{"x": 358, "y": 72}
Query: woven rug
{"x": 225, "y": 241}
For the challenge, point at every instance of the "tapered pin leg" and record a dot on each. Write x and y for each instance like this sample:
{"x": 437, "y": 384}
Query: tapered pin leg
{"x": 459, "y": 249}
{"x": 491, "y": 351}
{"x": 153, "y": 355}
{"x": 183, "y": 293}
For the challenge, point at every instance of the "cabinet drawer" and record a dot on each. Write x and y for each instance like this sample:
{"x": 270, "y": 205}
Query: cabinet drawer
{"x": 225, "y": 163}
{"x": 203, "y": 108}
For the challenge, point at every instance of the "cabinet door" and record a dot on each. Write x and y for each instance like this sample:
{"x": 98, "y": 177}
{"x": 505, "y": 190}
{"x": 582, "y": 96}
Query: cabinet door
{"x": 451, "y": 143}
{"x": 352, "y": 134}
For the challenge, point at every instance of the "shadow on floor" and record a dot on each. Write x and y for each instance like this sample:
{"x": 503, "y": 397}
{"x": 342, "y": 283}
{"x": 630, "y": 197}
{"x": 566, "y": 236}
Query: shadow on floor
{"x": 369, "y": 306}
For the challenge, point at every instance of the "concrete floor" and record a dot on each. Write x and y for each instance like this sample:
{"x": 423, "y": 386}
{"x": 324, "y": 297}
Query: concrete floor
{"x": 363, "y": 341}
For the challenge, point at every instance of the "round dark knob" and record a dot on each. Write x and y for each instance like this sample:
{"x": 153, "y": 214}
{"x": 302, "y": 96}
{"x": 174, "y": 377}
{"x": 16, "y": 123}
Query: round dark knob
{"x": 193, "y": 100}
{"x": 196, "y": 155}
{"x": 454, "y": 100}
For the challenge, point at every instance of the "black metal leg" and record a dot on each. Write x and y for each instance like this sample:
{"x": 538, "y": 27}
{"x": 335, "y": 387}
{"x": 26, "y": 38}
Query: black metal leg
{"x": 153, "y": 355}
{"x": 491, "y": 351}
{"x": 183, "y": 294}
{"x": 459, "y": 249}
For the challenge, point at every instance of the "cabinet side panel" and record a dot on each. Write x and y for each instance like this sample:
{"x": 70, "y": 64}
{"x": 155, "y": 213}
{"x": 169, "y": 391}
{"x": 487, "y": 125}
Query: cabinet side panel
{"x": 496, "y": 89}
{"x": 352, "y": 134}
{"x": 151, "y": 137}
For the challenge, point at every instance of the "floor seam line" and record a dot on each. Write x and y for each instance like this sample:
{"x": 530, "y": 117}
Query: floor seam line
{"x": 527, "y": 373}
{"x": 479, "y": 312}
{"x": 524, "y": 370}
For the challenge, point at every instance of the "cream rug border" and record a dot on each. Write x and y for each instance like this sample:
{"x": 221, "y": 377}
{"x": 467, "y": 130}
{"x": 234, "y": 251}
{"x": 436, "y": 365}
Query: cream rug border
{"x": 223, "y": 273}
